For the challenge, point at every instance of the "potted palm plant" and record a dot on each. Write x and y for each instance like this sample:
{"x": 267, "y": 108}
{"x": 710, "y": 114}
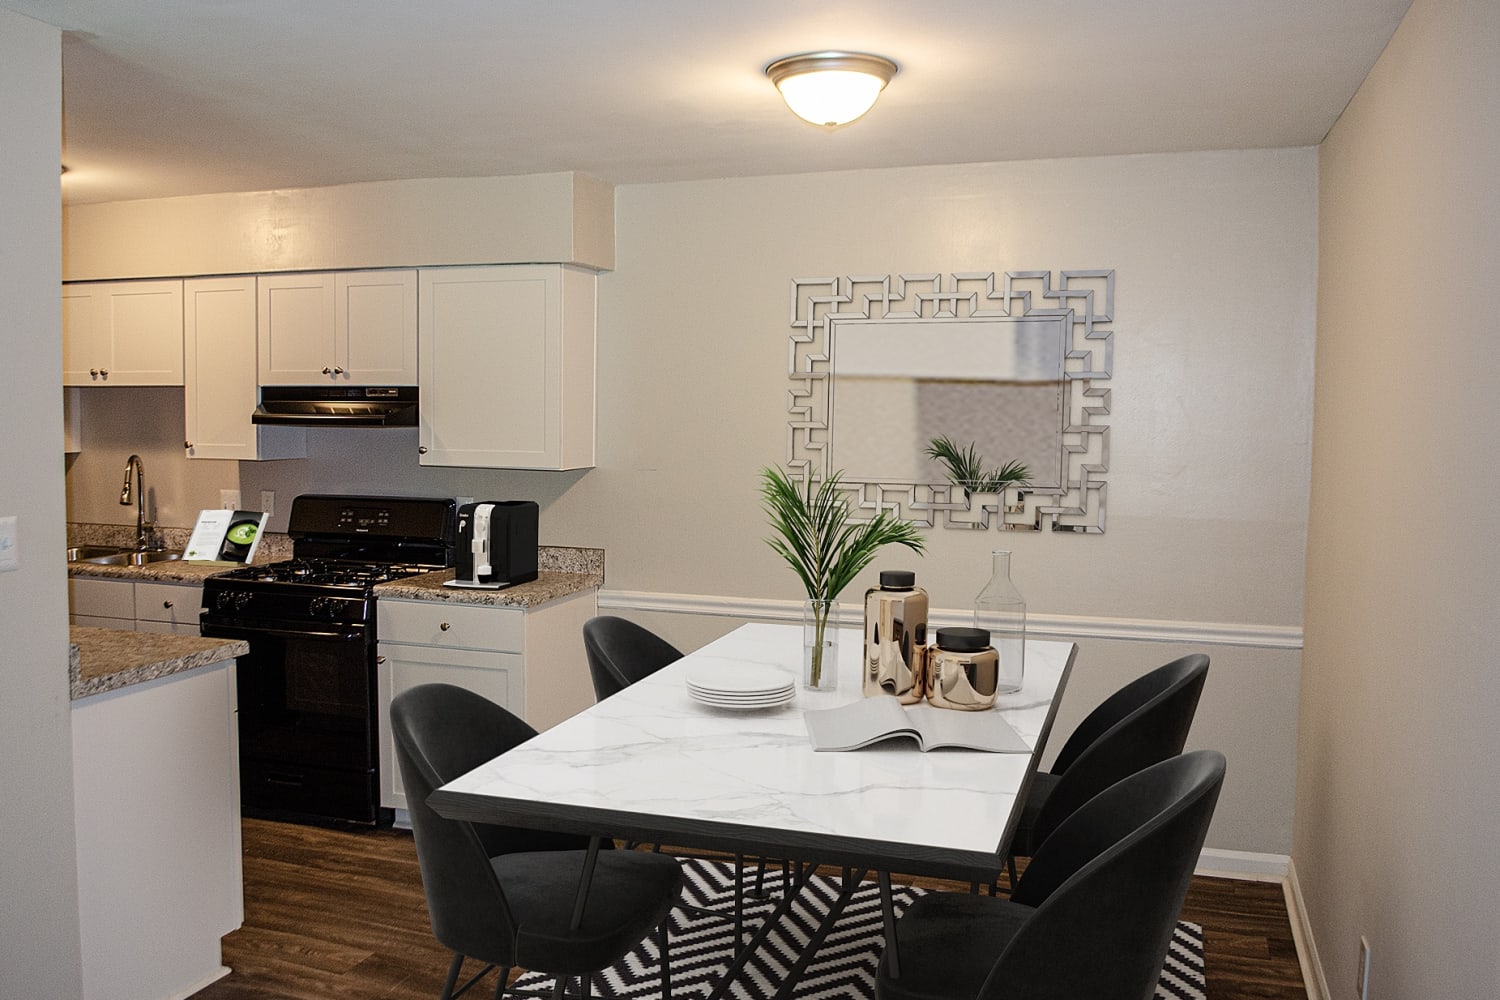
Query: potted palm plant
{"x": 826, "y": 549}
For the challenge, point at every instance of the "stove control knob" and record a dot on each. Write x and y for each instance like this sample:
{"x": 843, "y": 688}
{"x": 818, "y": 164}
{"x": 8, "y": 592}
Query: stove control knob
{"x": 323, "y": 607}
{"x": 241, "y": 598}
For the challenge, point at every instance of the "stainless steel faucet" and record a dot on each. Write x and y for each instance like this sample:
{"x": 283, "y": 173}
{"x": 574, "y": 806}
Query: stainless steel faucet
{"x": 142, "y": 526}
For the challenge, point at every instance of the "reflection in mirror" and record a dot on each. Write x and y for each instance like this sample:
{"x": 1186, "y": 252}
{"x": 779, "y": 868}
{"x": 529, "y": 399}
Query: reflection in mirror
{"x": 993, "y": 385}
{"x": 1008, "y": 367}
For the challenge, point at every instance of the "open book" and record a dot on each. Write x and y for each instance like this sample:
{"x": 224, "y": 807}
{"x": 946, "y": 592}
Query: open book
{"x": 229, "y": 536}
{"x": 870, "y": 720}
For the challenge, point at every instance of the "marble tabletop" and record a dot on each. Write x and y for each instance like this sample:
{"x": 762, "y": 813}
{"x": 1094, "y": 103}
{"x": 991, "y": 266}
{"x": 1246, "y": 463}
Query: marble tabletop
{"x": 650, "y": 763}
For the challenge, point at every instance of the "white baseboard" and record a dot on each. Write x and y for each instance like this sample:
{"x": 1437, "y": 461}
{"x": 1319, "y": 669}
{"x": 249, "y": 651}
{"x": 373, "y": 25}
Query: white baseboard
{"x": 1069, "y": 627}
{"x": 1247, "y": 866}
{"x": 1302, "y": 935}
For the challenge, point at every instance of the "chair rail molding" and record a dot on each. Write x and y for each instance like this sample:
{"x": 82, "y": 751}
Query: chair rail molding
{"x": 1070, "y": 627}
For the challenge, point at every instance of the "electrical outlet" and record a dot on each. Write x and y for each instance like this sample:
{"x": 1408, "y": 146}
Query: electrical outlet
{"x": 268, "y": 502}
{"x": 1362, "y": 982}
{"x": 464, "y": 500}
{"x": 9, "y": 546}
{"x": 229, "y": 499}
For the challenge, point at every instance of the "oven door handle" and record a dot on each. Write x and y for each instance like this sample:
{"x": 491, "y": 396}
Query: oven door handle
{"x": 354, "y": 633}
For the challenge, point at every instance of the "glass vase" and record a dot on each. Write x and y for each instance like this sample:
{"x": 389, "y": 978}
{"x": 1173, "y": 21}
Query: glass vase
{"x": 820, "y": 646}
{"x": 1001, "y": 610}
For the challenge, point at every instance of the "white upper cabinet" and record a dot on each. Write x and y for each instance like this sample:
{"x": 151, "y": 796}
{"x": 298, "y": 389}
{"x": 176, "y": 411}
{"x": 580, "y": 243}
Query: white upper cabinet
{"x": 342, "y": 328}
{"x": 122, "y": 333}
{"x": 220, "y": 391}
{"x": 507, "y": 367}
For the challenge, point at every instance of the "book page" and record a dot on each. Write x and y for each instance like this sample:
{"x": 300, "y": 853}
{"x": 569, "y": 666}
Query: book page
{"x": 946, "y": 727}
{"x": 857, "y": 724}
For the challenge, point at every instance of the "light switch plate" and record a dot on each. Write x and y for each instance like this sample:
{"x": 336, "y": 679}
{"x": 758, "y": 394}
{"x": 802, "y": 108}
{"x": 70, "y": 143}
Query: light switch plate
{"x": 10, "y": 556}
{"x": 268, "y": 502}
{"x": 229, "y": 499}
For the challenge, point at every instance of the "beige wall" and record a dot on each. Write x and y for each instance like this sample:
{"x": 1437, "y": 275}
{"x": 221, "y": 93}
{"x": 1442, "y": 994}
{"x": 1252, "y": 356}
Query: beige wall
{"x": 1397, "y": 799}
{"x": 1209, "y": 449}
{"x": 39, "y": 954}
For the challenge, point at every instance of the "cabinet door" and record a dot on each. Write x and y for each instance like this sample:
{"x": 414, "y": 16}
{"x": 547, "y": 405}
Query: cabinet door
{"x": 507, "y": 367}
{"x": 375, "y": 320}
{"x": 123, "y": 333}
{"x": 111, "y": 601}
{"x": 85, "y": 338}
{"x": 219, "y": 389}
{"x": 495, "y": 675}
{"x": 296, "y": 329}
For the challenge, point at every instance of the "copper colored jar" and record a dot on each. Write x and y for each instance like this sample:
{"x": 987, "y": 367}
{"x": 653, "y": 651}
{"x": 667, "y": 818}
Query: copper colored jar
{"x": 963, "y": 670}
{"x": 895, "y": 637}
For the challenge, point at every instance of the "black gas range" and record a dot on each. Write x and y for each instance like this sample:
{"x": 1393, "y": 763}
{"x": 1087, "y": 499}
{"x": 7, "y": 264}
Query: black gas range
{"x": 308, "y": 719}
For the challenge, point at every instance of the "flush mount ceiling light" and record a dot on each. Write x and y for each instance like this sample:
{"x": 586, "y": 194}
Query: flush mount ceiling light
{"x": 831, "y": 88}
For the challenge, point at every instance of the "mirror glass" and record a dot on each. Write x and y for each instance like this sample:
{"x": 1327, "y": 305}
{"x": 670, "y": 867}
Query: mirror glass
{"x": 991, "y": 385}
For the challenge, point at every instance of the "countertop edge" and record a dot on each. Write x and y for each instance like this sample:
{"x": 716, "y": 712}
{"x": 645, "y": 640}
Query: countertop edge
{"x": 104, "y": 659}
{"x": 548, "y": 586}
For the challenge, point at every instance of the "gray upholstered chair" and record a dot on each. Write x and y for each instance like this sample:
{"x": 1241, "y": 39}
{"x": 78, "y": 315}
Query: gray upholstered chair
{"x": 505, "y": 895}
{"x": 621, "y": 652}
{"x": 1092, "y": 916}
{"x": 1144, "y": 722}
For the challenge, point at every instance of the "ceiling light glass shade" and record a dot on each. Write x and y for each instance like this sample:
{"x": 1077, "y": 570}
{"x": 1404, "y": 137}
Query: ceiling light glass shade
{"x": 831, "y": 88}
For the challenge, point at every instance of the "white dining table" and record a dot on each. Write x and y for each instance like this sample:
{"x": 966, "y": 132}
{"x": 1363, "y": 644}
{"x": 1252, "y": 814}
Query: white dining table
{"x": 652, "y": 764}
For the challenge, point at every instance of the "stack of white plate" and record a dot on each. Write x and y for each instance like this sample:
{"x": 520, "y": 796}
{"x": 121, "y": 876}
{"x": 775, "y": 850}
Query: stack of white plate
{"x": 741, "y": 685}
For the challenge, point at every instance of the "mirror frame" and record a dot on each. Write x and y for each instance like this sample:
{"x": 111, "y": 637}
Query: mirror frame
{"x": 1083, "y": 300}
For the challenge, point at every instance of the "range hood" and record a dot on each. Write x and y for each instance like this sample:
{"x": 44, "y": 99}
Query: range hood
{"x": 343, "y": 406}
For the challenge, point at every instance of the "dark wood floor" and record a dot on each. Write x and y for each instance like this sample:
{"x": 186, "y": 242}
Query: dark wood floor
{"x": 336, "y": 914}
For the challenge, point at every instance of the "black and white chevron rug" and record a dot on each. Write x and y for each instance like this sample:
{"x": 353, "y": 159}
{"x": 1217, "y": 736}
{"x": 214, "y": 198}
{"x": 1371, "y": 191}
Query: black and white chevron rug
{"x": 844, "y": 968}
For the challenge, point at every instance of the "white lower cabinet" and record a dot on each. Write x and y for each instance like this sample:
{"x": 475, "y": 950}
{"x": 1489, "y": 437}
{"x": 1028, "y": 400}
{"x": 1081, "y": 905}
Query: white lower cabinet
{"x": 134, "y": 606}
{"x": 156, "y": 795}
{"x": 530, "y": 661}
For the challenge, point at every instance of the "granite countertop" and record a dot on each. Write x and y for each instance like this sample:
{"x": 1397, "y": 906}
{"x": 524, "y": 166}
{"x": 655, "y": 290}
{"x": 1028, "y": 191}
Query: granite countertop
{"x": 106, "y": 659}
{"x": 167, "y": 571}
{"x": 548, "y": 586}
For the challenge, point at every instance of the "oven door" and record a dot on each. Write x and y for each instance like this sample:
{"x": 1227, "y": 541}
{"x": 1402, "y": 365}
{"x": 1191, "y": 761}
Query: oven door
{"x": 307, "y": 723}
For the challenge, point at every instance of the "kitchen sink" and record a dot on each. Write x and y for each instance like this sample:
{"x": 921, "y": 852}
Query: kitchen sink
{"x": 128, "y": 558}
{"x": 78, "y": 553}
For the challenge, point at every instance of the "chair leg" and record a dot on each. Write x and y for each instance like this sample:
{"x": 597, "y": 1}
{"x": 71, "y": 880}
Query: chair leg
{"x": 454, "y": 968}
{"x": 501, "y": 982}
{"x": 1010, "y": 869}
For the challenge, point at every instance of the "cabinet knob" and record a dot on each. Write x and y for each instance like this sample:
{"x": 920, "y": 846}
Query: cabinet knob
{"x": 444, "y": 626}
{"x": 379, "y": 659}
{"x": 104, "y": 373}
{"x": 188, "y": 445}
{"x": 422, "y": 449}
{"x": 337, "y": 370}
{"x": 93, "y": 373}
{"x": 327, "y": 370}
{"x": 167, "y": 605}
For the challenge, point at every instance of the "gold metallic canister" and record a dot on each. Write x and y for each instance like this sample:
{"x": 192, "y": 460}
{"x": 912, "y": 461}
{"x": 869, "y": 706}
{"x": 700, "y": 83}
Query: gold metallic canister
{"x": 895, "y": 637}
{"x": 963, "y": 670}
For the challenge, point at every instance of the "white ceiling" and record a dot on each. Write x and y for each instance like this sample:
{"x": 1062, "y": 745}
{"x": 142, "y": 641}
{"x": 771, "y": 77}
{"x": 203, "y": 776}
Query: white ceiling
{"x": 173, "y": 97}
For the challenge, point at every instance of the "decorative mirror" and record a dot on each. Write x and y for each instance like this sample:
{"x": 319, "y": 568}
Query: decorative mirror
{"x": 932, "y": 393}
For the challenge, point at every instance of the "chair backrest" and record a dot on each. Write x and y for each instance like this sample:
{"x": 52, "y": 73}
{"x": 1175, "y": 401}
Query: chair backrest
{"x": 1108, "y": 885}
{"x": 1144, "y": 722}
{"x": 621, "y": 652}
{"x": 442, "y": 732}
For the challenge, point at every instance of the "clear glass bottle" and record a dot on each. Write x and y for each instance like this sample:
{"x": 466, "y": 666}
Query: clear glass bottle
{"x": 1001, "y": 610}
{"x": 895, "y": 637}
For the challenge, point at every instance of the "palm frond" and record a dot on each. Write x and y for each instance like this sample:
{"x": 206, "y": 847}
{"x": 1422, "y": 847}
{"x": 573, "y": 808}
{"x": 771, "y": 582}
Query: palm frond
{"x": 818, "y": 539}
{"x": 966, "y": 469}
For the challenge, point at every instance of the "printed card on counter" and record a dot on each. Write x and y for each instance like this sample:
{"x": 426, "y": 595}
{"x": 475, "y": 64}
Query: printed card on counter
{"x": 872, "y": 720}
{"x": 227, "y": 536}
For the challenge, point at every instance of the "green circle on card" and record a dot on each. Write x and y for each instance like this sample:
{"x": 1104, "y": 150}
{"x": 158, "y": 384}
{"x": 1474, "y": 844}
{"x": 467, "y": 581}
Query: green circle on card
{"x": 242, "y": 533}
